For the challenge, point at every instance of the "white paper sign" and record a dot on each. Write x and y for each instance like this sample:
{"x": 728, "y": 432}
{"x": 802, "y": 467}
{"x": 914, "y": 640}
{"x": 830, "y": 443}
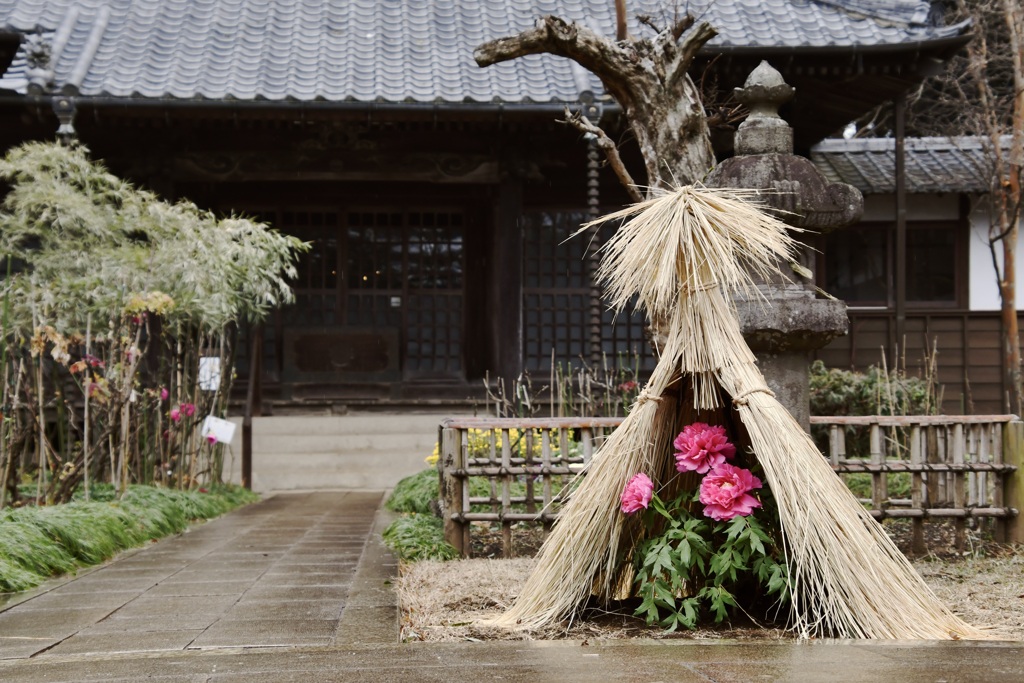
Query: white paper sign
{"x": 221, "y": 430}
{"x": 209, "y": 373}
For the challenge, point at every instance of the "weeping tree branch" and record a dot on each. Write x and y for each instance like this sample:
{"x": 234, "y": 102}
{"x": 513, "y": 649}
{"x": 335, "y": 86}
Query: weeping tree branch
{"x": 611, "y": 151}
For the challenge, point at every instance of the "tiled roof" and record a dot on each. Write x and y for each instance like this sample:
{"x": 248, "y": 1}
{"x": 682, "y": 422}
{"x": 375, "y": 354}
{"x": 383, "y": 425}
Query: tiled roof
{"x": 387, "y": 50}
{"x": 958, "y": 164}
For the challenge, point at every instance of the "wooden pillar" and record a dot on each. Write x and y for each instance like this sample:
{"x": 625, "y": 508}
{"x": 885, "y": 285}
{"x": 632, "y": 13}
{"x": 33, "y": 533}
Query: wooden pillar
{"x": 900, "y": 265}
{"x": 1013, "y": 482}
{"x": 506, "y": 284}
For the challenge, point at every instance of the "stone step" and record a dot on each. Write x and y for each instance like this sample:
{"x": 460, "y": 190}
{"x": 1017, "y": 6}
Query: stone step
{"x": 367, "y": 451}
{"x": 344, "y": 443}
{"x": 375, "y": 471}
{"x": 347, "y": 424}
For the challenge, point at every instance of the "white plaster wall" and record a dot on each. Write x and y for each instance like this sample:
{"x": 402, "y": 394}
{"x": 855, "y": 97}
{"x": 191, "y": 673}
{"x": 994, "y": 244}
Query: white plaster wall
{"x": 982, "y": 286}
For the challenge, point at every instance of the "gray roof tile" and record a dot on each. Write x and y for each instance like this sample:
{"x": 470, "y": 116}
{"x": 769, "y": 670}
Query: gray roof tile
{"x": 394, "y": 50}
{"x": 933, "y": 165}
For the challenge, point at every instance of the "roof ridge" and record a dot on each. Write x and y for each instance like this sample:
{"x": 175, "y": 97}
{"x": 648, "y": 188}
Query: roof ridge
{"x": 929, "y": 143}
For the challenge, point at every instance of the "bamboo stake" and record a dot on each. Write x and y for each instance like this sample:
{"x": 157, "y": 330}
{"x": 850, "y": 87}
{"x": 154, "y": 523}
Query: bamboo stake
{"x": 3, "y": 435}
{"x": 5, "y": 457}
{"x": 85, "y": 418}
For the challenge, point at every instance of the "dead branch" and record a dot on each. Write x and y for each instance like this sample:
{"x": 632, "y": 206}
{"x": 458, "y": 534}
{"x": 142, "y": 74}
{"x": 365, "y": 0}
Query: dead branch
{"x": 608, "y": 146}
{"x": 681, "y": 27}
{"x": 693, "y": 42}
{"x": 647, "y": 77}
{"x": 553, "y": 35}
{"x": 648, "y": 20}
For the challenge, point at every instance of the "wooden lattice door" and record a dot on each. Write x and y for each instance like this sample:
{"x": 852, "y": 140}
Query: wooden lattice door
{"x": 405, "y": 273}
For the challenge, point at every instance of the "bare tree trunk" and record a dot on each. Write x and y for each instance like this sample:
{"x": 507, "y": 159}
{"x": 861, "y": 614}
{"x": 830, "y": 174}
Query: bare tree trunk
{"x": 1011, "y": 333}
{"x": 986, "y": 97}
{"x": 648, "y": 78}
{"x": 1010, "y": 205}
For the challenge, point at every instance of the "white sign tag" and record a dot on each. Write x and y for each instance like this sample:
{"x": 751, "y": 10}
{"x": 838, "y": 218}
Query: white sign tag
{"x": 221, "y": 430}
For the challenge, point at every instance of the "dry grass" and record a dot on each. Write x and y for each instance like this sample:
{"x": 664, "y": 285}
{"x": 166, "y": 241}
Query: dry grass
{"x": 986, "y": 591}
{"x": 442, "y": 601}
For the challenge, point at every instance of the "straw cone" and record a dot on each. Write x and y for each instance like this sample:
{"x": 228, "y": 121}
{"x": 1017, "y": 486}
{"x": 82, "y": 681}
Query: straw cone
{"x": 683, "y": 254}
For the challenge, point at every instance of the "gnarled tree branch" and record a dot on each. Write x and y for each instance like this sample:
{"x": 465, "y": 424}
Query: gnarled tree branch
{"x": 648, "y": 79}
{"x": 553, "y": 35}
{"x": 610, "y": 149}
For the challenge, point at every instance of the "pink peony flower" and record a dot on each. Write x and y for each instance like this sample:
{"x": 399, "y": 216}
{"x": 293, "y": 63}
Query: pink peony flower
{"x": 189, "y": 409}
{"x": 637, "y": 493}
{"x": 176, "y": 414}
{"x": 164, "y": 394}
{"x": 211, "y": 439}
{"x": 701, "y": 447}
{"x": 725, "y": 495}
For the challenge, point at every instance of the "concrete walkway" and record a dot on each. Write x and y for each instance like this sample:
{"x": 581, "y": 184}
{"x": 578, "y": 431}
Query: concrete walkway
{"x": 296, "y": 588}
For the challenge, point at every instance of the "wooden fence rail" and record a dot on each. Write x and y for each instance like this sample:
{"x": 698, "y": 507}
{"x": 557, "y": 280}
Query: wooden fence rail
{"x": 513, "y": 470}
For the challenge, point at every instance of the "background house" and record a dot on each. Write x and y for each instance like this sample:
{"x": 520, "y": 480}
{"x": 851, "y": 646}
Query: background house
{"x": 436, "y": 195}
{"x": 952, "y": 305}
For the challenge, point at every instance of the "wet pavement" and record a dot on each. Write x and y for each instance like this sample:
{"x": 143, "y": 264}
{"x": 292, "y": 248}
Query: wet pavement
{"x": 297, "y": 588}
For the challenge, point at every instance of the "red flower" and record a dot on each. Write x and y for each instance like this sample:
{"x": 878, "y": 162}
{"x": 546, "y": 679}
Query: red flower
{"x": 701, "y": 447}
{"x": 637, "y": 493}
{"x": 725, "y": 495}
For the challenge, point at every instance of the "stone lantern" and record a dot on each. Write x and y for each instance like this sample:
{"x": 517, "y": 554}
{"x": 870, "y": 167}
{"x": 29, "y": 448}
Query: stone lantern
{"x": 787, "y": 321}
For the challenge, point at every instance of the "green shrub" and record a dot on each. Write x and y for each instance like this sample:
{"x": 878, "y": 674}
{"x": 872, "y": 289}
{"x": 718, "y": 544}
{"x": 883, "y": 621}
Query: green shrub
{"x": 417, "y": 537}
{"x": 415, "y": 493}
{"x": 897, "y": 484}
{"x": 39, "y": 542}
{"x": 875, "y": 392}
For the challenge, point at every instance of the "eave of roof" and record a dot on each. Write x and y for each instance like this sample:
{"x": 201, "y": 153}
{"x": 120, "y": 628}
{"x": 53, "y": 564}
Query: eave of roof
{"x": 933, "y": 164}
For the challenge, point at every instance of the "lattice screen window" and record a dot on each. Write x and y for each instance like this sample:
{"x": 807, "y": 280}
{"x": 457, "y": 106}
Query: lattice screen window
{"x": 434, "y": 333}
{"x": 434, "y": 279}
{"x": 316, "y": 300}
{"x": 556, "y": 298}
{"x": 374, "y": 263}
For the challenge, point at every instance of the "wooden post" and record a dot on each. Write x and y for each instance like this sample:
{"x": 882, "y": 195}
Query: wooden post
{"x": 506, "y": 493}
{"x": 834, "y": 433}
{"x": 545, "y": 460}
{"x": 528, "y": 462}
{"x": 1013, "y": 482}
{"x": 917, "y": 491}
{"x": 879, "y": 481}
{"x": 452, "y": 460}
{"x": 959, "y": 486}
{"x": 253, "y": 400}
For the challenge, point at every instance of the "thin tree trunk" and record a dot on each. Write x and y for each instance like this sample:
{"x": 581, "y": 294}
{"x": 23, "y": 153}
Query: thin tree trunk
{"x": 1011, "y": 204}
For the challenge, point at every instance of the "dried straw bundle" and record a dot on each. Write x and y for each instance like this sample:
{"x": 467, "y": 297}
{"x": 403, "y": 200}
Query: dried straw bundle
{"x": 683, "y": 254}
